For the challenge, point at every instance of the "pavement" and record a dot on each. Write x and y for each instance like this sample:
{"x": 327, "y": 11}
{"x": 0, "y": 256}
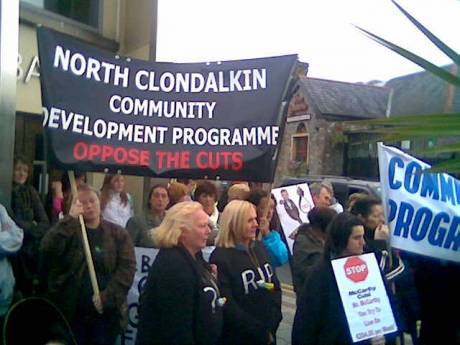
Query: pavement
{"x": 288, "y": 305}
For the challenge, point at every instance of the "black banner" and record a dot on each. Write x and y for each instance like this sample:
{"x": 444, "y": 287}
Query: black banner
{"x": 217, "y": 120}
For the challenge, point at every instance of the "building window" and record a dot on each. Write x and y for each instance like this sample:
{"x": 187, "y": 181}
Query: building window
{"x": 299, "y": 147}
{"x": 299, "y": 144}
{"x": 84, "y": 11}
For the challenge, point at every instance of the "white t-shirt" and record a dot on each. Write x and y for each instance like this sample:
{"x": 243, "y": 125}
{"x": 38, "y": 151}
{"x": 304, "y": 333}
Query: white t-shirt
{"x": 116, "y": 212}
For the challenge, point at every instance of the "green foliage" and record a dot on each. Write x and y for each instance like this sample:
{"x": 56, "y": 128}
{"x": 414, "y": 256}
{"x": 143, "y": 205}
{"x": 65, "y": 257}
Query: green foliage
{"x": 422, "y": 126}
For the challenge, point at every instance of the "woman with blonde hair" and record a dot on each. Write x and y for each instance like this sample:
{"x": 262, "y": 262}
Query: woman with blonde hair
{"x": 181, "y": 303}
{"x": 246, "y": 278}
{"x": 116, "y": 203}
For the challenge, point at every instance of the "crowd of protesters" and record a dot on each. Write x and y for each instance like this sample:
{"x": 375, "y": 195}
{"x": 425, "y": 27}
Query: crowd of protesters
{"x": 232, "y": 296}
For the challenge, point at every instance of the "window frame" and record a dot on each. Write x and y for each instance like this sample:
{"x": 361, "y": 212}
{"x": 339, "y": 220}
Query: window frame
{"x": 55, "y": 17}
{"x": 293, "y": 147}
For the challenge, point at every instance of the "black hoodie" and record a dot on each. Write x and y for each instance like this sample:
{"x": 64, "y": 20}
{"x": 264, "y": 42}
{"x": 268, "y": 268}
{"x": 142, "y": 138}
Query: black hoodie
{"x": 179, "y": 302}
{"x": 253, "y": 310}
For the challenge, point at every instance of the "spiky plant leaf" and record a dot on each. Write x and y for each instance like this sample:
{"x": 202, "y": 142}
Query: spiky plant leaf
{"x": 425, "y": 64}
{"x": 435, "y": 40}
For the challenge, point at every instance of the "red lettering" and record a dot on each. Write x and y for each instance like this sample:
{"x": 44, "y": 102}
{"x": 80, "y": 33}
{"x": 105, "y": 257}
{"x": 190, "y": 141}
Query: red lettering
{"x": 116, "y": 155}
{"x": 160, "y": 156}
{"x": 144, "y": 158}
{"x": 227, "y": 159}
{"x": 80, "y": 151}
{"x": 213, "y": 160}
{"x": 94, "y": 151}
{"x": 185, "y": 160}
{"x": 356, "y": 269}
{"x": 237, "y": 159}
{"x": 199, "y": 160}
{"x": 173, "y": 160}
{"x": 133, "y": 156}
{"x": 106, "y": 153}
{"x": 219, "y": 160}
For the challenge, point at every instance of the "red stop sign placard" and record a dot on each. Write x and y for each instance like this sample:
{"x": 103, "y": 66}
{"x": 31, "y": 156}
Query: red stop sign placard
{"x": 356, "y": 269}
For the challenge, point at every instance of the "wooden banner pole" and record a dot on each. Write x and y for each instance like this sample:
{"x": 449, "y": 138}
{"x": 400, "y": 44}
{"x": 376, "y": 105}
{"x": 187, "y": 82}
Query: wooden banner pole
{"x": 86, "y": 248}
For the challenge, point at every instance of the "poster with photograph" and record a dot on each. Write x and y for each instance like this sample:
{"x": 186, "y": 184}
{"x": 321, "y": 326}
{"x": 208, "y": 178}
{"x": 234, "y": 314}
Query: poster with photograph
{"x": 292, "y": 205}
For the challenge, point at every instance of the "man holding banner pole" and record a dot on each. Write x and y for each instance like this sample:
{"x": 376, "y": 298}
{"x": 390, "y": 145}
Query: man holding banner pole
{"x": 94, "y": 318}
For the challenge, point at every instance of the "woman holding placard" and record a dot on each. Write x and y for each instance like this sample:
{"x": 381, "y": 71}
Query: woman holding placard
{"x": 320, "y": 317}
{"x": 376, "y": 233}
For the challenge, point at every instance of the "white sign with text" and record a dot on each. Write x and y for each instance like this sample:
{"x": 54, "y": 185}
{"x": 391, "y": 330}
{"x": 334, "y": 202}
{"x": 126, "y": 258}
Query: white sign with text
{"x": 144, "y": 260}
{"x": 364, "y": 297}
{"x": 423, "y": 208}
{"x": 292, "y": 205}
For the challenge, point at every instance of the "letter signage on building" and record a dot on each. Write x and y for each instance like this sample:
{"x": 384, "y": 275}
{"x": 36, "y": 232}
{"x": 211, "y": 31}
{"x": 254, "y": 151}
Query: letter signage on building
{"x": 217, "y": 120}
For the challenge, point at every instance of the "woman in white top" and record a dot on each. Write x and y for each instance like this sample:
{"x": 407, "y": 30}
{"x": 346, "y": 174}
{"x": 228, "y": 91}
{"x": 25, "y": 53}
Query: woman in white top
{"x": 116, "y": 204}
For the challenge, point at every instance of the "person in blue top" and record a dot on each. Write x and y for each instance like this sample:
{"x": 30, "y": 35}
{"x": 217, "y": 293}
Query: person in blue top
{"x": 11, "y": 237}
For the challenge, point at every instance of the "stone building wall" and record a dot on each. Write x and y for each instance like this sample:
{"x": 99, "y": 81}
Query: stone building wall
{"x": 325, "y": 154}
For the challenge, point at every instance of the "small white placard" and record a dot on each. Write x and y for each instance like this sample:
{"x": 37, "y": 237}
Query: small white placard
{"x": 292, "y": 205}
{"x": 364, "y": 297}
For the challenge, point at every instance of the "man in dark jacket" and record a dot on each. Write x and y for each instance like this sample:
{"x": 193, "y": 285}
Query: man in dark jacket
{"x": 94, "y": 319}
{"x": 309, "y": 244}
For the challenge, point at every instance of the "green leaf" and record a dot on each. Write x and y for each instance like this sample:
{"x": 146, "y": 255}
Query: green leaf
{"x": 438, "y": 71}
{"x": 452, "y": 118}
{"x": 436, "y": 41}
{"x": 449, "y": 148}
{"x": 449, "y": 166}
{"x": 434, "y": 130}
{"x": 419, "y": 126}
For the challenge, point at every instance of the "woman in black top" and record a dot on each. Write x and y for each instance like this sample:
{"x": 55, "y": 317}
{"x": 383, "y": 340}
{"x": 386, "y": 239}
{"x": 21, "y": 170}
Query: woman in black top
{"x": 320, "y": 317}
{"x": 29, "y": 214}
{"x": 247, "y": 279}
{"x": 181, "y": 303}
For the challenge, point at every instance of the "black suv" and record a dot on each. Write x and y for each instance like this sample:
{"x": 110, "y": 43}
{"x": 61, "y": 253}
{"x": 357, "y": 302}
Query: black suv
{"x": 343, "y": 186}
